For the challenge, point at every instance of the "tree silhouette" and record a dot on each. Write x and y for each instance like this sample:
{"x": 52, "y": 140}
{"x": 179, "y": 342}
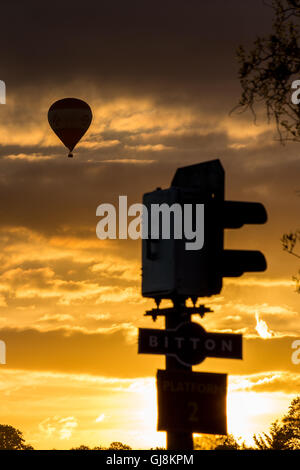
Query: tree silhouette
{"x": 82, "y": 447}
{"x": 284, "y": 435}
{"x": 112, "y": 446}
{"x": 266, "y": 74}
{"x": 292, "y": 420}
{"x": 119, "y": 446}
{"x": 267, "y": 71}
{"x": 211, "y": 442}
{"x": 12, "y": 439}
{"x": 228, "y": 443}
{"x": 289, "y": 242}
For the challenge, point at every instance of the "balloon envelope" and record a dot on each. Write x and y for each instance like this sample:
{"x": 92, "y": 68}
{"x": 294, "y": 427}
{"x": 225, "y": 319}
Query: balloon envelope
{"x": 70, "y": 118}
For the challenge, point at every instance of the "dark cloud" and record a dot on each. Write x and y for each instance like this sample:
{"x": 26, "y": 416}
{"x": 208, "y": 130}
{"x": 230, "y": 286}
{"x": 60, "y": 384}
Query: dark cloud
{"x": 59, "y": 197}
{"x": 111, "y": 354}
{"x": 173, "y": 50}
{"x": 98, "y": 354}
{"x": 180, "y": 55}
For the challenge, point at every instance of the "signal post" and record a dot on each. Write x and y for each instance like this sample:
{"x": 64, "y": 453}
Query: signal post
{"x": 177, "y": 440}
{"x": 192, "y": 401}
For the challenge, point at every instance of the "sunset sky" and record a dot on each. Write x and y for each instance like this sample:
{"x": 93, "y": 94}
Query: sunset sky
{"x": 161, "y": 78}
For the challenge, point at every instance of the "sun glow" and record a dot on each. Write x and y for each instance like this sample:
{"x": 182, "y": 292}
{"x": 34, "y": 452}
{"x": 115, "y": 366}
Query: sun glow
{"x": 249, "y": 412}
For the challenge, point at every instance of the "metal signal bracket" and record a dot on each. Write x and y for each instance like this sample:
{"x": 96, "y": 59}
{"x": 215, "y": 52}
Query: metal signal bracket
{"x": 184, "y": 311}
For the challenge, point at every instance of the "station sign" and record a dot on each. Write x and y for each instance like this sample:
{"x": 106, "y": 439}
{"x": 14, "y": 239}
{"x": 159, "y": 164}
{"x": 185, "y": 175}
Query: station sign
{"x": 191, "y": 402}
{"x": 190, "y": 343}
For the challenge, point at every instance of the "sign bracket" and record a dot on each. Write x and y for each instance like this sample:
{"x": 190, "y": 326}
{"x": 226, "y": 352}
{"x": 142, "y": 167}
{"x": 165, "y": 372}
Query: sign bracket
{"x": 184, "y": 311}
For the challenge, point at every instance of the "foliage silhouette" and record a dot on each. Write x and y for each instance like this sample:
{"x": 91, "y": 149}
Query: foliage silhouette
{"x": 284, "y": 435}
{"x": 112, "y": 446}
{"x": 12, "y": 439}
{"x": 267, "y": 71}
{"x": 119, "y": 446}
{"x": 289, "y": 241}
{"x": 210, "y": 442}
{"x": 82, "y": 447}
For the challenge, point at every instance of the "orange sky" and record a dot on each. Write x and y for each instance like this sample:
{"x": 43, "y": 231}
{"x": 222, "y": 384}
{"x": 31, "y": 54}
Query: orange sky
{"x": 70, "y": 304}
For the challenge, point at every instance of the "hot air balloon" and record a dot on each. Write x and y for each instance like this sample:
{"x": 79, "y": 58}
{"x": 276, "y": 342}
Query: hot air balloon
{"x": 70, "y": 118}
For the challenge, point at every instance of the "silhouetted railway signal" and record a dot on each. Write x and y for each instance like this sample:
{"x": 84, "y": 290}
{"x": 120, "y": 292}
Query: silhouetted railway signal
{"x": 170, "y": 270}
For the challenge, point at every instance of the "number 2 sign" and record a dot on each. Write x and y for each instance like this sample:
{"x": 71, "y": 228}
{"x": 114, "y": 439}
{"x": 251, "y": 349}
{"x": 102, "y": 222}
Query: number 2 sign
{"x": 191, "y": 401}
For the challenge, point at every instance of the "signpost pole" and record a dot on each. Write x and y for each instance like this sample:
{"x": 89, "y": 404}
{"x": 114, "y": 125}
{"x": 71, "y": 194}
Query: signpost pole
{"x": 176, "y": 440}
